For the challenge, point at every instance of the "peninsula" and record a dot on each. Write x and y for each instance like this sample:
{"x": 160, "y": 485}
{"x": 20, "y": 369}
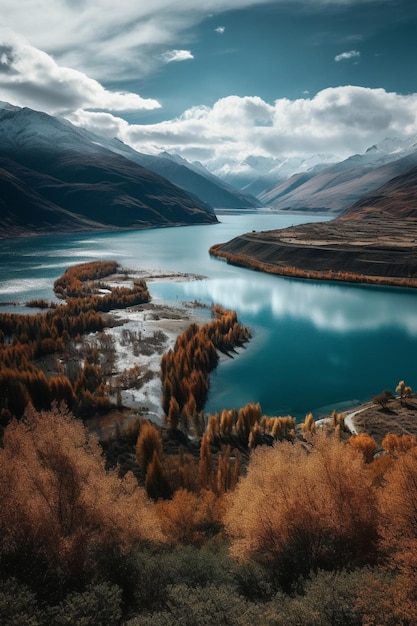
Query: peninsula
{"x": 374, "y": 241}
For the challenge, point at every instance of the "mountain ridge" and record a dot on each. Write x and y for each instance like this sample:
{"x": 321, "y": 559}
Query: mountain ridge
{"x": 71, "y": 182}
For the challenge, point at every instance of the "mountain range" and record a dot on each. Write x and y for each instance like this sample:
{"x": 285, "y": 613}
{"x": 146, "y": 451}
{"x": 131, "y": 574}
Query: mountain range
{"x": 323, "y": 183}
{"x": 56, "y": 177}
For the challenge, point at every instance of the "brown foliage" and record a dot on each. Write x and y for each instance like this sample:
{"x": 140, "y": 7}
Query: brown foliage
{"x": 383, "y": 398}
{"x": 308, "y": 427}
{"x": 149, "y": 441}
{"x": 59, "y": 508}
{"x": 398, "y": 513}
{"x": 299, "y": 510}
{"x": 185, "y": 369}
{"x": 242, "y": 260}
{"x": 396, "y": 445}
{"x": 190, "y": 518}
{"x": 156, "y": 482}
{"x": 364, "y": 444}
{"x": 25, "y": 338}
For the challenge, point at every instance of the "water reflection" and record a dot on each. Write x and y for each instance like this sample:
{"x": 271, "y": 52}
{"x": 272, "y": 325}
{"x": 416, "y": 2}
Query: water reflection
{"x": 313, "y": 343}
{"x": 339, "y": 308}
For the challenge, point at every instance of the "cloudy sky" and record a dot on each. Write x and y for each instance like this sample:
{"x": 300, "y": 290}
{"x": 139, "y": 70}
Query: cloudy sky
{"x": 220, "y": 80}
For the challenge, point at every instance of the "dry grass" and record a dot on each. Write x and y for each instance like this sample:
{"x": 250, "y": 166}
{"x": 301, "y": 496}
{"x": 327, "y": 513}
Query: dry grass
{"x": 398, "y": 417}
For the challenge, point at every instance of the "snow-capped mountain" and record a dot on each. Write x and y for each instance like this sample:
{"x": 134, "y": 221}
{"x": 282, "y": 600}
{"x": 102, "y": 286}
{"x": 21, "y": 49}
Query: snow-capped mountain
{"x": 255, "y": 175}
{"x": 336, "y": 187}
{"x": 321, "y": 182}
{"x": 188, "y": 176}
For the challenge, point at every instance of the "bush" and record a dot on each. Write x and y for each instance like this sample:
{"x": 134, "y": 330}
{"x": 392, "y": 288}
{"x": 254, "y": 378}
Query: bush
{"x": 62, "y": 515}
{"x": 18, "y": 605}
{"x": 299, "y": 510}
{"x": 98, "y": 605}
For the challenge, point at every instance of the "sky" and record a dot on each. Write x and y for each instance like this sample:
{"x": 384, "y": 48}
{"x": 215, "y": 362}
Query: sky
{"x": 218, "y": 81}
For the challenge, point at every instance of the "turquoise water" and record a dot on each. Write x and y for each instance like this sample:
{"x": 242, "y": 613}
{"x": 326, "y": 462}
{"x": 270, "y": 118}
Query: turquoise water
{"x": 316, "y": 345}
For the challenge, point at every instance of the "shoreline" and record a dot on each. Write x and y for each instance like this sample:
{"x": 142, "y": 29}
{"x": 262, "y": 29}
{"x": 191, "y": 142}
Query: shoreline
{"x": 371, "y": 252}
{"x": 248, "y": 262}
{"x": 140, "y": 336}
{"x": 136, "y": 339}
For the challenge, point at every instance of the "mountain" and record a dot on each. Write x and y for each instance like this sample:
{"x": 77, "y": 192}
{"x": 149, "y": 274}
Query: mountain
{"x": 336, "y": 187}
{"x": 193, "y": 179}
{"x": 256, "y": 175}
{"x": 56, "y": 177}
{"x": 397, "y": 199}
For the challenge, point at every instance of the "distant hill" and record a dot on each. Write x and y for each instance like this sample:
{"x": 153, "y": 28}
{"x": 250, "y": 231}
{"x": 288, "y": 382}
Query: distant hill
{"x": 256, "y": 174}
{"x": 56, "y": 177}
{"x": 396, "y": 199}
{"x": 321, "y": 182}
{"x": 336, "y": 187}
{"x": 191, "y": 178}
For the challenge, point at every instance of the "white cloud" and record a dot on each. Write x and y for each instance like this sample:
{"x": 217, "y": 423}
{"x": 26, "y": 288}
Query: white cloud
{"x": 220, "y": 30}
{"x": 117, "y": 40}
{"x": 176, "y": 55}
{"x": 30, "y": 77}
{"x": 344, "y": 56}
{"x": 341, "y": 120}
{"x": 110, "y": 41}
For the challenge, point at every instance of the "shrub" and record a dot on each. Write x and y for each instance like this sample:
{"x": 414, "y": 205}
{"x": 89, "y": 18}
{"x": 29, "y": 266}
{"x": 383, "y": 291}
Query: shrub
{"x": 61, "y": 513}
{"x": 299, "y": 511}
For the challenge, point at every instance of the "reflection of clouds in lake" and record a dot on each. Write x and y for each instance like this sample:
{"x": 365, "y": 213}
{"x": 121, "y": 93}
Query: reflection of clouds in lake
{"x": 66, "y": 253}
{"x": 345, "y": 308}
{"x": 24, "y": 285}
{"x": 74, "y": 253}
{"x": 338, "y": 308}
{"x": 94, "y": 254}
{"x": 234, "y": 294}
{"x": 47, "y": 266}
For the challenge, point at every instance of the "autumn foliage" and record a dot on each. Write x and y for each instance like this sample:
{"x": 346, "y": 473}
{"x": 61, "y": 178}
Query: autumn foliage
{"x": 185, "y": 369}
{"x": 302, "y": 509}
{"x": 243, "y": 260}
{"x": 24, "y": 339}
{"x": 60, "y": 510}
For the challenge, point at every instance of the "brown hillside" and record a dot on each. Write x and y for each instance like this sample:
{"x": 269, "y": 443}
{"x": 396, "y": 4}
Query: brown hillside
{"x": 373, "y": 241}
{"x": 397, "y": 198}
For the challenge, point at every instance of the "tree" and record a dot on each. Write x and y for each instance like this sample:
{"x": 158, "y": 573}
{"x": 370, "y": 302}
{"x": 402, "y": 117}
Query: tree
{"x": 156, "y": 483}
{"x": 189, "y": 518}
{"x": 298, "y": 511}
{"x": 365, "y": 444}
{"x": 61, "y": 512}
{"x": 205, "y": 466}
{"x": 404, "y": 390}
{"x": 149, "y": 441}
{"x": 383, "y": 398}
{"x": 309, "y": 426}
{"x": 398, "y": 529}
{"x": 173, "y": 417}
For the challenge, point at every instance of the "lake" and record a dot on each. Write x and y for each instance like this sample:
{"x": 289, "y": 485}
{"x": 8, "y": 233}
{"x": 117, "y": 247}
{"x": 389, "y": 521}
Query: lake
{"x": 316, "y": 345}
